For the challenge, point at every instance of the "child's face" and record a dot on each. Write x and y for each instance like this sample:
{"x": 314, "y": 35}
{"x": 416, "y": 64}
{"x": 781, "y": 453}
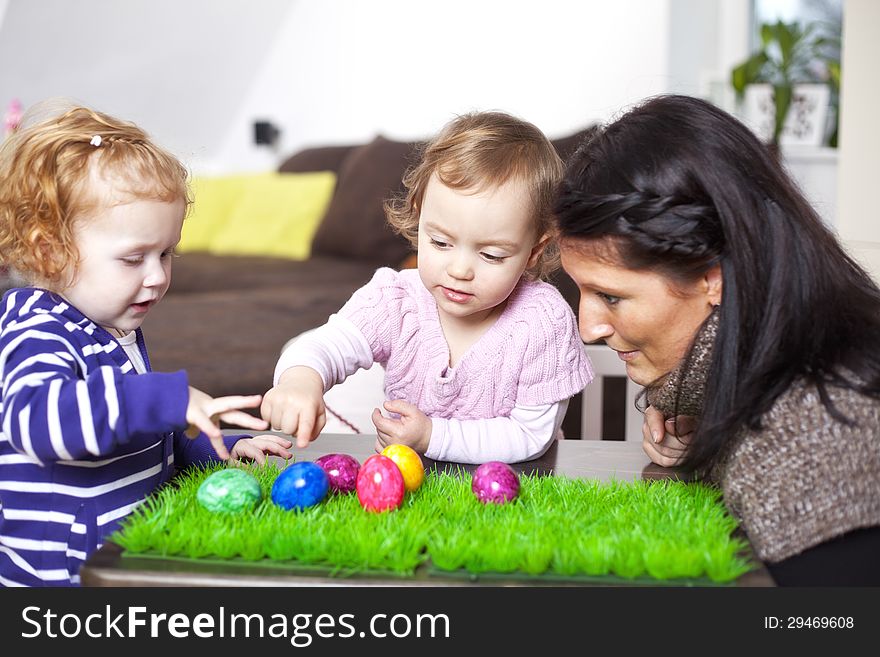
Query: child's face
{"x": 125, "y": 261}
{"x": 474, "y": 247}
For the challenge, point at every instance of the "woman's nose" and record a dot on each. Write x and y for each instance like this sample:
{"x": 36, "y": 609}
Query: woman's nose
{"x": 593, "y": 332}
{"x": 591, "y": 326}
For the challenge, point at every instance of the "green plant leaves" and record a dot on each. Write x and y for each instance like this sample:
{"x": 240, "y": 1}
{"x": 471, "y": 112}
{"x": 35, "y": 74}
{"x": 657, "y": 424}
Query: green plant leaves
{"x": 789, "y": 55}
{"x": 748, "y": 72}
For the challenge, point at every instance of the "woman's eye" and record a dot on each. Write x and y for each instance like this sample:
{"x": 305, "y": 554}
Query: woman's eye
{"x": 610, "y": 299}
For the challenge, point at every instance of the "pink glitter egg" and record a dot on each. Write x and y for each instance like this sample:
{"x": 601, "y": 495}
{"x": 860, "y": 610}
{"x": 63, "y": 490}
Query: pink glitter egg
{"x": 342, "y": 471}
{"x": 380, "y": 484}
{"x": 495, "y": 482}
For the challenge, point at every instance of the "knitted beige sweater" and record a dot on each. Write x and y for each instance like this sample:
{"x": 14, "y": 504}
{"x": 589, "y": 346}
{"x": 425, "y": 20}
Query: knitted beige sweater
{"x": 804, "y": 477}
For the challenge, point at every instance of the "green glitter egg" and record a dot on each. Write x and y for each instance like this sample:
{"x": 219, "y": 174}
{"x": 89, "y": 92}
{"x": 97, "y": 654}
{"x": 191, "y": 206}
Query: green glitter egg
{"x": 229, "y": 491}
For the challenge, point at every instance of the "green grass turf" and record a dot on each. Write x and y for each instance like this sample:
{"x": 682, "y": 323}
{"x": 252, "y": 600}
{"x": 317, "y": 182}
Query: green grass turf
{"x": 557, "y": 527}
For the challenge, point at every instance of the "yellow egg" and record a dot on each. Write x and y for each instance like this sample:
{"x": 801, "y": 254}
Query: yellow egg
{"x": 410, "y": 465}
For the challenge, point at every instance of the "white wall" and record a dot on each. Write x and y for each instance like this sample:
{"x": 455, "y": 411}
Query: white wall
{"x": 180, "y": 68}
{"x": 859, "y": 143}
{"x": 707, "y": 38}
{"x": 197, "y": 73}
{"x": 342, "y": 71}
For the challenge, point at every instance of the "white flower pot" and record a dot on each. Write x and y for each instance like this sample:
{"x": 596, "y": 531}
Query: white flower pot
{"x": 807, "y": 114}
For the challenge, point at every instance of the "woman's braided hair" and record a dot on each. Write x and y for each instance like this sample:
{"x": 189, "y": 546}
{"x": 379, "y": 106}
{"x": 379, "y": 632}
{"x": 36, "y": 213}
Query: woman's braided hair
{"x": 658, "y": 227}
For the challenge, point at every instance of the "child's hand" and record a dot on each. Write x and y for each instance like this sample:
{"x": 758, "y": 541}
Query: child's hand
{"x": 412, "y": 428}
{"x": 204, "y": 413}
{"x": 296, "y": 405}
{"x": 256, "y": 448}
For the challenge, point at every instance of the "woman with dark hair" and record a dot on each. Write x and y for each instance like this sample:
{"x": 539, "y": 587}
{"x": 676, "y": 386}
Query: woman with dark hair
{"x": 756, "y": 335}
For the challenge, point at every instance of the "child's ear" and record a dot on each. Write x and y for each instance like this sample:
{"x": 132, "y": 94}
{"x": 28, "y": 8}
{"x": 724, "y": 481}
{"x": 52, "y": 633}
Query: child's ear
{"x": 53, "y": 263}
{"x": 538, "y": 249}
{"x": 39, "y": 247}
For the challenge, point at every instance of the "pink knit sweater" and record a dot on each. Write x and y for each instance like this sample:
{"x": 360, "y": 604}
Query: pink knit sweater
{"x": 532, "y": 355}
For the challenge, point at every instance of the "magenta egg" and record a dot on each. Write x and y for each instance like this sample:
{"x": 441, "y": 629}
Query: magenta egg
{"x": 495, "y": 482}
{"x": 380, "y": 484}
{"x": 342, "y": 471}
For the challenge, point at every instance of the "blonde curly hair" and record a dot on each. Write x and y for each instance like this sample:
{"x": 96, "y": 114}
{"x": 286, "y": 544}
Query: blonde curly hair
{"x": 45, "y": 166}
{"x": 483, "y": 150}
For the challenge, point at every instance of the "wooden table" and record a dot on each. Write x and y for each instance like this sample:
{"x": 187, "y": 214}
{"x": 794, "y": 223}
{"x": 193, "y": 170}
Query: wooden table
{"x": 588, "y": 459}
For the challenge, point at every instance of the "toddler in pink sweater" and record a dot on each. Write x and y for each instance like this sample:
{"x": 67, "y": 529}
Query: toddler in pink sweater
{"x": 481, "y": 356}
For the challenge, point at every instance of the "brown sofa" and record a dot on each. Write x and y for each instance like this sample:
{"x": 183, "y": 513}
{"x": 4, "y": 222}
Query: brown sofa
{"x": 226, "y": 318}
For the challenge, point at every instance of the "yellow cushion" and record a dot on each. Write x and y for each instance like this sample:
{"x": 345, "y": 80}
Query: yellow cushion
{"x": 214, "y": 199}
{"x": 272, "y": 214}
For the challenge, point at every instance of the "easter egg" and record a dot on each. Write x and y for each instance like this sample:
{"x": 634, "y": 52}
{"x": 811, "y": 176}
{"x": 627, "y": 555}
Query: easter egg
{"x": 410, "y": 464}
{"x": 380, "y": 484}
{"x": 300, "y": 485}
{"x": 229, "y": 491}
{"x": 342, "y": 471}
{"x": 495, "y": 482}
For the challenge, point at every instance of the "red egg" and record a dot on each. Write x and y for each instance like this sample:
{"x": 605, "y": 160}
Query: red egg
{"x": 342, "y": 471}
{"x": 495, "y": 482}
{"x": 380, "y": 484}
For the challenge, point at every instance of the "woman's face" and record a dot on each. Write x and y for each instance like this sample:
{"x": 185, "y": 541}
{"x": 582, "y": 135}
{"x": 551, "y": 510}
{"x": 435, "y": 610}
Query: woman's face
{"x": 642, "y": 315}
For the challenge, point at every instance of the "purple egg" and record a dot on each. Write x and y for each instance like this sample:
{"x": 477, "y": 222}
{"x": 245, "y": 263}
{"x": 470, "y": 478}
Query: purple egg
{"x": 342, "y": 471}
{"x": 495, "y": 482}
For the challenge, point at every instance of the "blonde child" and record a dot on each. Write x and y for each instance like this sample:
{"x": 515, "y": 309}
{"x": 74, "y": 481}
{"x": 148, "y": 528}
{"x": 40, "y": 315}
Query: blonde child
{"x": 90, "y": 212}
{"x": 480, "y": 355}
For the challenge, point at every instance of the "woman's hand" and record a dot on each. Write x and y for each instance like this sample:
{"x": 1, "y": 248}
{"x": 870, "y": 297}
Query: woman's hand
{"x": 203, "y": 413}
{"x": 256, "y": 448}
{"x": 412, "y": 428}
{"x": 666, "y": 441}
{"x": 296, "y": 405}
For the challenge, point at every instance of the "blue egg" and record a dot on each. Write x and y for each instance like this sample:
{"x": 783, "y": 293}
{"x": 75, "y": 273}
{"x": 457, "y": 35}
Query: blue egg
{"x": 300, "y": 485}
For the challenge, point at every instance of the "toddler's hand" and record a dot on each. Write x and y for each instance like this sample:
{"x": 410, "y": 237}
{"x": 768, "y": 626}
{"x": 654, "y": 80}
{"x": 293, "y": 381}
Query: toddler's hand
{"x": 296, "y": 405}
{"x": 412, "y": 428}
{"x": 203, "y": 413}
{"x": 256, "y": 448}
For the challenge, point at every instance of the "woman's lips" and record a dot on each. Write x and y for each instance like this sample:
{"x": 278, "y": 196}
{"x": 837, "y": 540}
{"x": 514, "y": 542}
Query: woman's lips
{"x": 454, "y": 295}
{"x": 627, "y": 355}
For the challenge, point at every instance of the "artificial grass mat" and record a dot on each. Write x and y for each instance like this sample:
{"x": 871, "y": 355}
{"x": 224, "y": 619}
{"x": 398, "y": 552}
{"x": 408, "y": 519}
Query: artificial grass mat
{"x": 558, "y": 528}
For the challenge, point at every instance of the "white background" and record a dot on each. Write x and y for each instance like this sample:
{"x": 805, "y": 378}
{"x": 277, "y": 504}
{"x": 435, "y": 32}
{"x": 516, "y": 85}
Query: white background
{"x": 197, "y": 73}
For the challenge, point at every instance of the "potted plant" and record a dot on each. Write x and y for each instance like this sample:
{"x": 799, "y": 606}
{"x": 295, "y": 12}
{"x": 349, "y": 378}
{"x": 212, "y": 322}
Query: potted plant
{"x": 790, "y": 55}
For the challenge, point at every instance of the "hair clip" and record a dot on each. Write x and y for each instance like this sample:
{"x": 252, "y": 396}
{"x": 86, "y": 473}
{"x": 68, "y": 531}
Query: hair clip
{"x": 96, "y": 141}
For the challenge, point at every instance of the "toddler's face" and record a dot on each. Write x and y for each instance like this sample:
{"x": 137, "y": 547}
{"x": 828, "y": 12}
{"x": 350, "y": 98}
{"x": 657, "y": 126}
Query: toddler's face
{"x": 474, "y": 247}
{"x": 125, "y": 261}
